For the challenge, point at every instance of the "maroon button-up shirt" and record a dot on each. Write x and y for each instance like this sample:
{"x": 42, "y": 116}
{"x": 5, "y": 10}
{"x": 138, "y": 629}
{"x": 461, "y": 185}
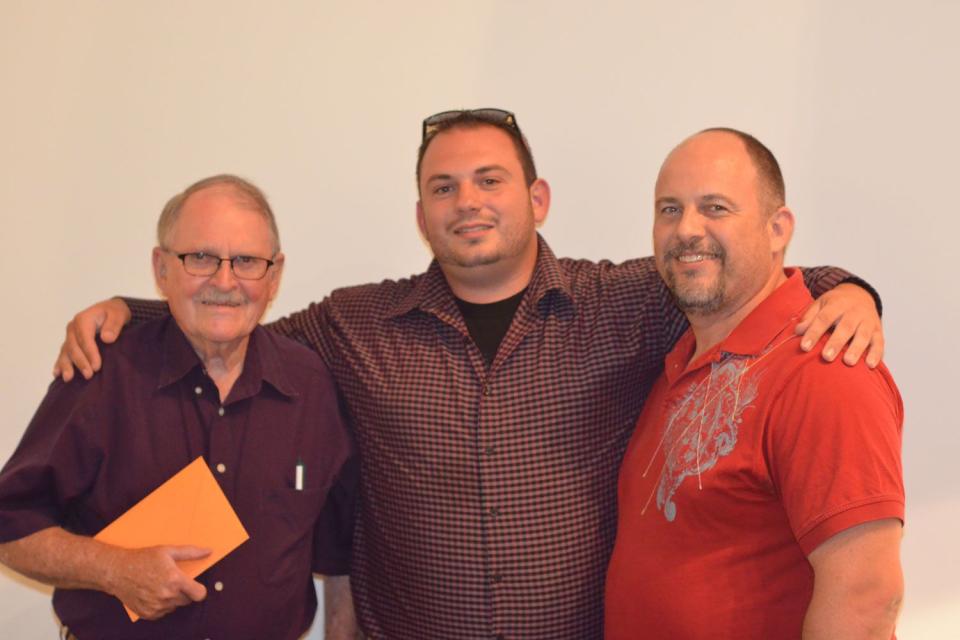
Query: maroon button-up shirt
{"x": 96, "y": 448}
{"x": 488, "y": 495}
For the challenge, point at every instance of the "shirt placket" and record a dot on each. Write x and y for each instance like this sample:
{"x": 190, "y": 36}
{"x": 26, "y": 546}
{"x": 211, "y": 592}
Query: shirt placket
{"x": 493, "y": 465}
{"x": 221, "y": 425}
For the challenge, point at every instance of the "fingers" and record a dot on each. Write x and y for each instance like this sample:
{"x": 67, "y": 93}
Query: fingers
{"x": 63, "y": 367}
{"x": 187, "y": 552}
{"x": 807, "y": 317}
{"x": 875, "y": 353}
{"x": 814, "y": 331}
{"x": 75, "y": 352}
{"x": 113, "y": 323}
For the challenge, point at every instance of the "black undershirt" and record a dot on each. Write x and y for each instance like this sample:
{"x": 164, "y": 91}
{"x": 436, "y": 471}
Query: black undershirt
{"x": 488, "y": 323}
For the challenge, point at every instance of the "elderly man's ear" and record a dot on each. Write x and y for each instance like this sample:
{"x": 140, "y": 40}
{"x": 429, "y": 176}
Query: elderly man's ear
{"x": 159, "y": 268}
{"x": 277, "y": 272}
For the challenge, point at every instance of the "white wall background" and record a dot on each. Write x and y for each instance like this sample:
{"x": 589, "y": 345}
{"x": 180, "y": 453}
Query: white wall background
{"x": 109, "y": 107}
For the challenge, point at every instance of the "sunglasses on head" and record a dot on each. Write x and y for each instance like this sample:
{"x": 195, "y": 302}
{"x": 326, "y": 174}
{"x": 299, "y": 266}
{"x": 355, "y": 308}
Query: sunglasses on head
{"x": 433, "y": 123}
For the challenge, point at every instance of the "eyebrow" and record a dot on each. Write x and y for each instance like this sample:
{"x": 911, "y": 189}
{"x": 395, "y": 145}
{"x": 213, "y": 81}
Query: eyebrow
{"x": 490, "y": 168}
{"x": 666, "y": 200}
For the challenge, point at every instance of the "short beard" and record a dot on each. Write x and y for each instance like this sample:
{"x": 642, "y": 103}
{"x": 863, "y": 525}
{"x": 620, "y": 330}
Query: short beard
{"x": 692, "y": 300}
{"x": 699, "y": 302}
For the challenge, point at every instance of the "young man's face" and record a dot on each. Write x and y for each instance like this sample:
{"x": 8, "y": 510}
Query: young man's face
{"x": 715, "y": 236}
{"x": 475, "y": 208}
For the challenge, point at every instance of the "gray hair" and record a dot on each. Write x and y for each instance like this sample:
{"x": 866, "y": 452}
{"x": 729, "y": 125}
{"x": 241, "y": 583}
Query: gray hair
{"x": 247, "y": 192}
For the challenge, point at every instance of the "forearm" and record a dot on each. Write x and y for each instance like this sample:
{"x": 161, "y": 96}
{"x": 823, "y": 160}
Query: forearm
{"x": 819, "y": 280}
{"x": 61, "y": 559}
{"x": 341, "y": 620}
{"x": 867, "y": 614}
{"x": 144, "y": 310}
{"x": 858, "y": 584}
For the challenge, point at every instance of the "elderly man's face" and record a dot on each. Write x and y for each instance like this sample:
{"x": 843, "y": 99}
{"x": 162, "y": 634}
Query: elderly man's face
{"x": 218, "y": 311}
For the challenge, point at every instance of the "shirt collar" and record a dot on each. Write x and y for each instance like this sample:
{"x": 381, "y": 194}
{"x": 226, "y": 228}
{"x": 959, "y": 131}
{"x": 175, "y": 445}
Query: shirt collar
{"x": 262, "y": 363}
{"x": 755, "y": 333}
{"x": 431, "y": 292}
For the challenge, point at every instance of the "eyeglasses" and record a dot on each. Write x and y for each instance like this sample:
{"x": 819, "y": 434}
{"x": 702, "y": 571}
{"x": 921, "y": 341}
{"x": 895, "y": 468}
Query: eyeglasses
{"x": 495, "y": 116}
{"x": 205, "y": 265}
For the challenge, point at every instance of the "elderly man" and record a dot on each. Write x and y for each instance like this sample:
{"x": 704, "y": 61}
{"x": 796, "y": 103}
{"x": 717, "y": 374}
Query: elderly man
{"x": 761, "y": 495}
{"x": 207, "y": 382}
{"x": 491, "y": 397}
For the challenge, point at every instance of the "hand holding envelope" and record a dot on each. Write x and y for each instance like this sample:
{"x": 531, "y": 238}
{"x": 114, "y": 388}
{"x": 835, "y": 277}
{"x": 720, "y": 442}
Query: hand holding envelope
{"x": 189, "y": 512}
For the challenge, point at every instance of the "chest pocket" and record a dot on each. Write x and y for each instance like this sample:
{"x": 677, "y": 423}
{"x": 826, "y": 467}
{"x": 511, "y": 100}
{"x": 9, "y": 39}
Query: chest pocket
{"x": 285, "y": 533}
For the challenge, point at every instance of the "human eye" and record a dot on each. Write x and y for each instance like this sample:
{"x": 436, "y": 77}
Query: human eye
{"x": 442, "y": 189}
{"x": 201, "y": 258}
{"x": 716, "y": 209}
{"x": 490, "y": 182}
{"x": 669, "y": 210}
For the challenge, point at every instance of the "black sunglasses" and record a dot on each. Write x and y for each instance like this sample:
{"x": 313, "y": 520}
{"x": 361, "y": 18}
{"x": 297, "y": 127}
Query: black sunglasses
{"x": 494, "y": 116}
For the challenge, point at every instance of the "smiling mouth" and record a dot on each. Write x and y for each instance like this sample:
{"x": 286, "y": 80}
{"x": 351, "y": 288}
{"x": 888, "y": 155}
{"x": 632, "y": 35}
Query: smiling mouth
{"x": 692, "y": 258}
{"x": 472, "y": 228}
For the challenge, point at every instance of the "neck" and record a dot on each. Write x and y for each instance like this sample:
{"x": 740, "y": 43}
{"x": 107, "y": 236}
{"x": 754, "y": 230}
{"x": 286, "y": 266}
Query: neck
{"x": 492, "y": 282}
{"x": 711, "y": 329}
{"x": 222, "y": 362}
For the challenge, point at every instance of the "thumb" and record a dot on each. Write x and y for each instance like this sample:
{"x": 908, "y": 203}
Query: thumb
{"x": 187, "y": 552}
{"x": 112, "y": 326}
{"x": 194, "y": 590}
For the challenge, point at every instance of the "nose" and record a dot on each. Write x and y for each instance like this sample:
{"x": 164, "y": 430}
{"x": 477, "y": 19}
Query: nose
{"x": 224, "y": 278}
{"x": 467, "y": 197}
{"x": 690, "y": 225}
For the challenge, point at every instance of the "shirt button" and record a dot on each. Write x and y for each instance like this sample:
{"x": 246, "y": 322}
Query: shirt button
{"x": 218, "y": 586}
{"x": 486, "y": 390}
{"x": 490, "y": 450}
{"x": 197, "y": 390}
{"x": 221, "y": 468}
{"x": 496, "y": 578}
{"x": 494, "y": 512}
{"x": 221, "y": 411}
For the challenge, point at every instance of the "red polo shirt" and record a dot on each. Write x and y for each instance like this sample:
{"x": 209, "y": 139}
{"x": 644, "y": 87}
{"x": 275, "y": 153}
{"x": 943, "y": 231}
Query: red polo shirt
{"x": 742, "y": 463}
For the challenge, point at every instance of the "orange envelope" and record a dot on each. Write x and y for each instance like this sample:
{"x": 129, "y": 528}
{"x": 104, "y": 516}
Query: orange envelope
{"x": 187, "y": 509}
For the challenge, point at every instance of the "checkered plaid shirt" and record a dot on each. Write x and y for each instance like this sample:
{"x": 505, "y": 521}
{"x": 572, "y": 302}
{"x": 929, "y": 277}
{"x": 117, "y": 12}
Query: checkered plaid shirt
{"x": 488, "y": 496}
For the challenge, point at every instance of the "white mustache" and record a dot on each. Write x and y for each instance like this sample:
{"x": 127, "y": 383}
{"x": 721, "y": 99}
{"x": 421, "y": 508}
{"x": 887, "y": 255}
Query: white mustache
{"x": 212, "y": 296}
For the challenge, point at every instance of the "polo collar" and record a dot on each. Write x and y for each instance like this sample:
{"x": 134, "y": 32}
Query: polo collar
{"x": 754, "y": 334}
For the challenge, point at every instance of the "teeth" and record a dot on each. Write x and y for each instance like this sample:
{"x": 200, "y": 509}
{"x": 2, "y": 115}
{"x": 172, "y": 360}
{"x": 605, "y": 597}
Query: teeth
{"x": 697, "y": 257}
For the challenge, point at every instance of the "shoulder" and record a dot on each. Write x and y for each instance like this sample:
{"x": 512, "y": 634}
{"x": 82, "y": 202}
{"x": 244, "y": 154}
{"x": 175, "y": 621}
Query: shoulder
{"x": 296, "y": 359}
{"x": 631, "y": 285}
{"x": 836, "y": 382}
{"x": 373, "y": 296}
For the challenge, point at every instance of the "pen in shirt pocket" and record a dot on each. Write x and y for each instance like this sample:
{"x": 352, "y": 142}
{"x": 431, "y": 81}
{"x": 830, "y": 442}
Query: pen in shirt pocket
{"x": 298, "y": 475}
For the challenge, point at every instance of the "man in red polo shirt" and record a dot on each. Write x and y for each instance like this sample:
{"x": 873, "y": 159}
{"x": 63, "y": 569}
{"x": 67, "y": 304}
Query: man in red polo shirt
{"x": 761, "y": 495}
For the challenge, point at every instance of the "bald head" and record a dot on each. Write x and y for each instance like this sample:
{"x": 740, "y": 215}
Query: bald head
{"x": 722, "y": 144}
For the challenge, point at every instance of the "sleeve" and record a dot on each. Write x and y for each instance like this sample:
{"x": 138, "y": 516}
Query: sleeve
{"x": 55, "y": 463}
{"x": 819, "y": 280}
{"x": 833, "y": 448}
{"x": 308, "y": 327}
{"x": 333, "y": 533}
{"x": 146, "y": 310}
{"x": 642, "y": 299}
